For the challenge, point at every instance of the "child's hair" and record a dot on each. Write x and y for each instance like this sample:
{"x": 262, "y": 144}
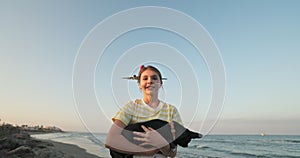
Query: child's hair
{"x": 143, "y": 68}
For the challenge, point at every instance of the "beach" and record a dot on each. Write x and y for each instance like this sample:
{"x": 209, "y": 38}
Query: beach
{"x": 92, "y": 143}
{"x": 222, "y": 146}
{"x": 69, "y": 150}
{"x": 20, "y": 144}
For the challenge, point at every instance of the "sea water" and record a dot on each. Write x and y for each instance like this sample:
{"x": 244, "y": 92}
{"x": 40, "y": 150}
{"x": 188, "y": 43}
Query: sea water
{"x": 231, "y": 146}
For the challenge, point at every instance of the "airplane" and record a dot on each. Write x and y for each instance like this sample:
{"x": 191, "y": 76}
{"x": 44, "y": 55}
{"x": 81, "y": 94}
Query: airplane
{"x": 135, "y": 77}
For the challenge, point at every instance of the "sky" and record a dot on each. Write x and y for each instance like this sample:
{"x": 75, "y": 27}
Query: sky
{"x": 43, "y": 42}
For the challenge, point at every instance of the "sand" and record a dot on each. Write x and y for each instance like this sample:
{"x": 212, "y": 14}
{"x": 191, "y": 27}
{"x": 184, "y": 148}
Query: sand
{"x": 70, "y": 150}
{"x": 22, "y": 145}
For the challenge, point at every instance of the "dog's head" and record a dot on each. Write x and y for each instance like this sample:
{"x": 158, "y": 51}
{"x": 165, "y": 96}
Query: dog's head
{"x": 184, "y": 136}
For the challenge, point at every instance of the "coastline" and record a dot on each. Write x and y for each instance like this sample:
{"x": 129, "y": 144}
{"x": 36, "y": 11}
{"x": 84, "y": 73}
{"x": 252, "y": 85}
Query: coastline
{"x": 92, "y": 144}
{"x": 70, "y": 150}
{"x": 22, "y": 144}
{"x": 67, "y": 150}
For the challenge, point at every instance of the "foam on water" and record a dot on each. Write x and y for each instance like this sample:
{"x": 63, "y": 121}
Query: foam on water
{"x": 90, "y": 142}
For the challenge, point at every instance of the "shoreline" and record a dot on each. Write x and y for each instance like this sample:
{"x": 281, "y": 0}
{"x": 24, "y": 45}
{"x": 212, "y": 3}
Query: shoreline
{"x": 70, "y": 150}
{"x": 22, "y": 144}
{"x": 74, "y": 138}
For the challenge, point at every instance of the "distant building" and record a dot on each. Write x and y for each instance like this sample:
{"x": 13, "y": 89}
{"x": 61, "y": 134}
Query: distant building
{"x": 37, "y": 128}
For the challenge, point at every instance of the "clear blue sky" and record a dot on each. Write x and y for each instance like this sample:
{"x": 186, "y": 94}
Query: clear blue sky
{"x": 258, "y": 42}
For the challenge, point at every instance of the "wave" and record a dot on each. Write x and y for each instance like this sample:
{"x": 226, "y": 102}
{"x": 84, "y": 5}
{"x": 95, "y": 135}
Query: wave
{"x": 292, "y": 141}
{"x": 205, "y": 147}
{"x": 202, "y": 147}
{"x": 96, "y": 141}
{"x": 219, "y": 141}
{"x": 245, "y": 154}
{"x": 229, "y": 153}
{"x": 94, "y": 138}
{"x": 280, "y": 156}
{"x": 183, "y": 154}
{"x": 285, "y": 141}
{"x": 53, "y": 136}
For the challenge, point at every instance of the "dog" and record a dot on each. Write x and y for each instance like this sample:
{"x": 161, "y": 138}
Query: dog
{"x": 182, "y": 138}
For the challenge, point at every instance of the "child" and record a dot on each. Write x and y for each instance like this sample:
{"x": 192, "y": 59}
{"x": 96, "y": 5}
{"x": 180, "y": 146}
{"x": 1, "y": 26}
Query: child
{"x": 141, "y": 110}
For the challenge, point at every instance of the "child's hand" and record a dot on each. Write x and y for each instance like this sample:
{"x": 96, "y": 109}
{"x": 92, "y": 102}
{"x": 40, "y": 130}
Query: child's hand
{"x": 150, "y": 137}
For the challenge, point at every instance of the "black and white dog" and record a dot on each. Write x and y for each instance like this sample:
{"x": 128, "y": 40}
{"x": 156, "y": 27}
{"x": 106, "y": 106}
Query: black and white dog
{"x": 182, "y": 138}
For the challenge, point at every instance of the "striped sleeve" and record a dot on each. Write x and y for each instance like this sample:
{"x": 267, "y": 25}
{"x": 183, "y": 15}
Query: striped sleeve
{"x": 124, "y": 115}
{"x": 176, "y": 117}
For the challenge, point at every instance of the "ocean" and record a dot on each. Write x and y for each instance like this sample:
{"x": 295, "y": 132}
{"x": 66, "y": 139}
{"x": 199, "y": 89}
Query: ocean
{"x": 210, "y": 146}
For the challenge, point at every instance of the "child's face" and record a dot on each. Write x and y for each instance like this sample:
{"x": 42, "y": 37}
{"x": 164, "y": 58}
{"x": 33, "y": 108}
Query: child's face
{"x": 149, "y": 82}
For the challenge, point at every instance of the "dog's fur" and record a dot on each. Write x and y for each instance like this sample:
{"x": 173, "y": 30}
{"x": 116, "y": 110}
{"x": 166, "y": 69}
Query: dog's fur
{"x": 182, "y": 138}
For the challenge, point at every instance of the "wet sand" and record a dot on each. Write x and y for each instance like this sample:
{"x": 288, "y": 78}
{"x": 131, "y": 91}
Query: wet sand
{"x": 22, "y": 145}
{"x": 70, "y": 150}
